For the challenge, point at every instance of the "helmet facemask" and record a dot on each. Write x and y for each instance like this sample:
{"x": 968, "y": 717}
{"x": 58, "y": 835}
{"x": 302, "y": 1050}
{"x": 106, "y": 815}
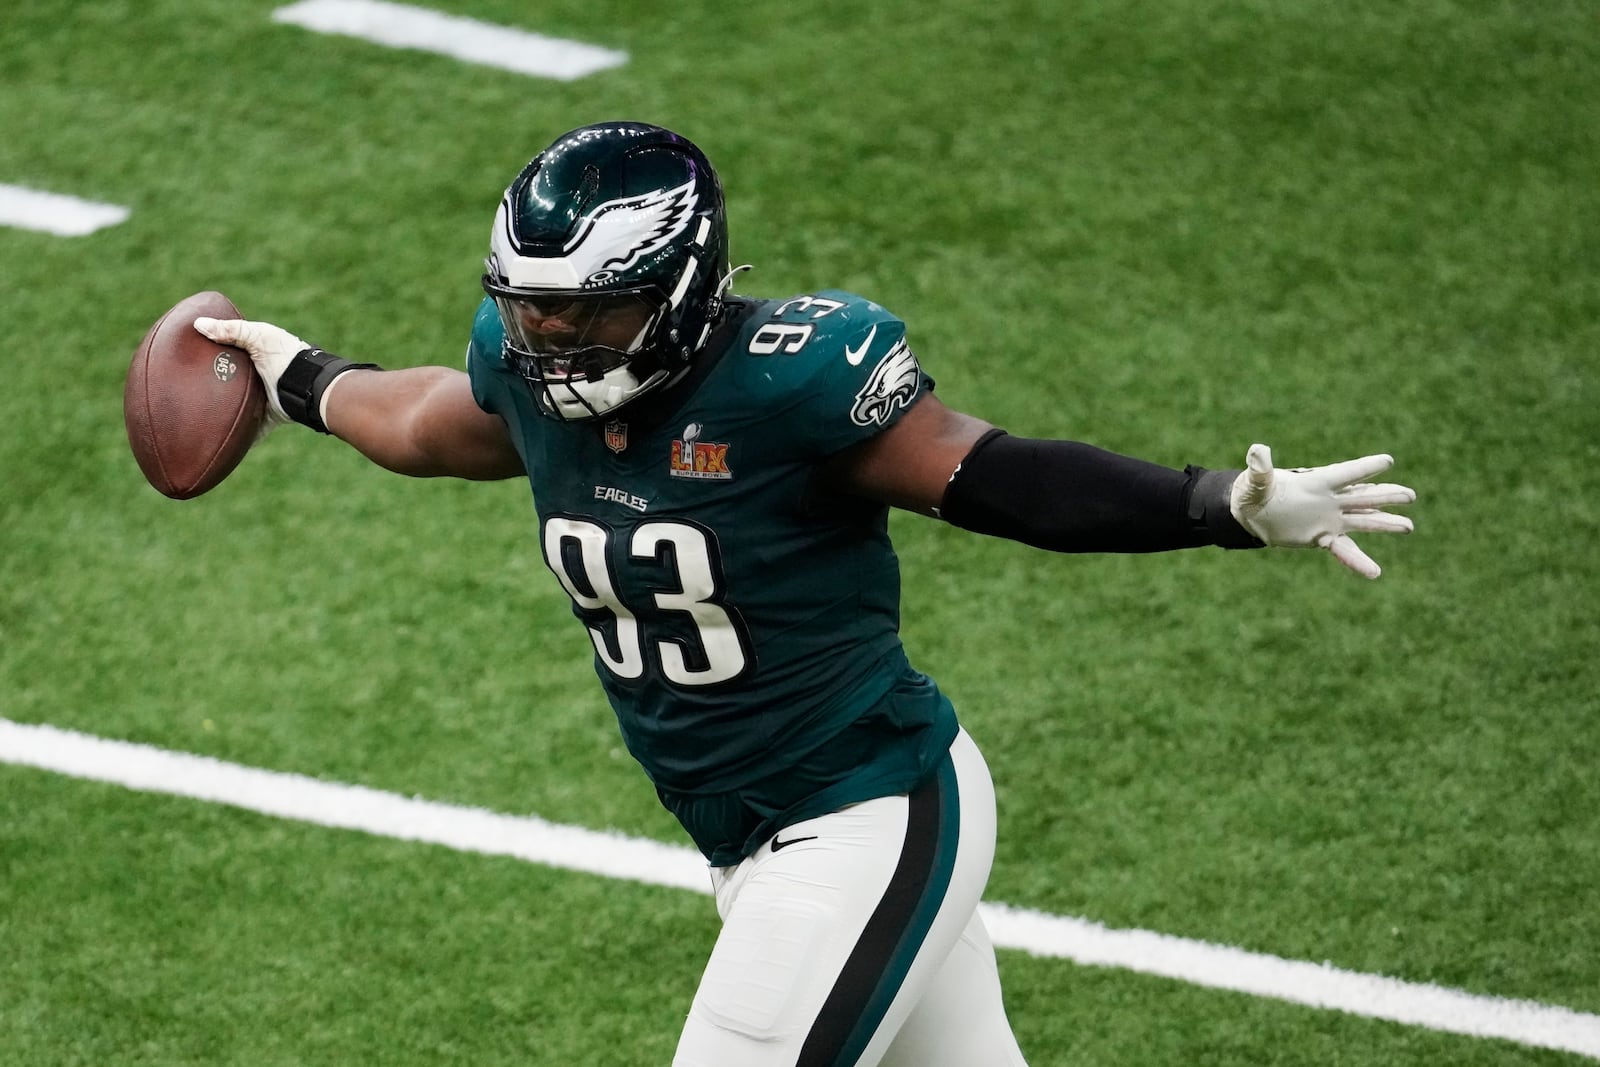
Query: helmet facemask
{"x": 583, "y": 354}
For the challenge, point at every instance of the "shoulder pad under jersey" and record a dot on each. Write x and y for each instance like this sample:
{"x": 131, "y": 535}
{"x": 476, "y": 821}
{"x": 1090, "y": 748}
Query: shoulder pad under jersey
{"x": 840, "y": 360}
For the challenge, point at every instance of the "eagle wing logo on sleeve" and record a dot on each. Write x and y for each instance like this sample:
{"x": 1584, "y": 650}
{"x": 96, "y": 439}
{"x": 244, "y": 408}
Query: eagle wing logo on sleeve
{"x": 619, "y": 233}
{"x": 892, "y": 384}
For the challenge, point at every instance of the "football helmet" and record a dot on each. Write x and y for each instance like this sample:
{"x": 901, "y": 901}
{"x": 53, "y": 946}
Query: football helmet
{"x": 607, "y": 263}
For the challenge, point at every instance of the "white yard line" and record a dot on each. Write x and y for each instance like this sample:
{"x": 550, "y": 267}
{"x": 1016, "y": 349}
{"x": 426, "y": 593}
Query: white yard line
{"x": 293, "y": 796}
{"x": 64, "y": 216}
{"x": 405, "y": 26}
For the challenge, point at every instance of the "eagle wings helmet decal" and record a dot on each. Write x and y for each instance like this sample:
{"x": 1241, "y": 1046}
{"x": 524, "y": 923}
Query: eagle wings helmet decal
{"x": 619, "y": 233}
{"x": 892, "y": 385}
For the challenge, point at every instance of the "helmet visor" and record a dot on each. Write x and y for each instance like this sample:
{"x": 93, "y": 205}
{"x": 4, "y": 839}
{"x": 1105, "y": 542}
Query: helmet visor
{"x": 555, "y": 327}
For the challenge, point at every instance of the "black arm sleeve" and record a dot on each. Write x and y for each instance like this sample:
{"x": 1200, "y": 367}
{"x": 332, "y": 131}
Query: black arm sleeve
{"x": 1071, "y": 497}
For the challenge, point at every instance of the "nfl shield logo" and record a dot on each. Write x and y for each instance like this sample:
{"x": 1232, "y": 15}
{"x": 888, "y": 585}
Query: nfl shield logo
{"x": 616, "y": 435}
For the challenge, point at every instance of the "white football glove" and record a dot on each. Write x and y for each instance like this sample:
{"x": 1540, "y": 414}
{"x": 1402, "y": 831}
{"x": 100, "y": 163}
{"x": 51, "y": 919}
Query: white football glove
{"x": 1319, "y": 506}
{"x": 270, "y": 349}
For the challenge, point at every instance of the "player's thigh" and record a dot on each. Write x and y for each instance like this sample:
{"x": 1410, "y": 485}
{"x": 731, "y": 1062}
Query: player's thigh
{"x": 828, "y": 944}
{"x": 952, "y": 925}
{"x": 960, "y": 1021}
{"x": 790, "y": 922}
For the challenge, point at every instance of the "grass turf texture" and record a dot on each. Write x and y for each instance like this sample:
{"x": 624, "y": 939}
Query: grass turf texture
{"x": 1169, "y": 229}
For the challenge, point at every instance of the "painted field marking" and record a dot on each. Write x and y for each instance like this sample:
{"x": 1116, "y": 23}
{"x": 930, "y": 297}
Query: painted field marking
{"x": 64, "y": 216}
{"x": 405, "y": 26}
{"x": 612, "y": 855}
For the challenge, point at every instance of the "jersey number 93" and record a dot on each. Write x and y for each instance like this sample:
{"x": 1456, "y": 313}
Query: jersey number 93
{"x": 686, "y": 553}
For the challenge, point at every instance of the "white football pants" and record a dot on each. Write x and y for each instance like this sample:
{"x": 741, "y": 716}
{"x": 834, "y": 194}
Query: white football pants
{"x": 853, "y": 939}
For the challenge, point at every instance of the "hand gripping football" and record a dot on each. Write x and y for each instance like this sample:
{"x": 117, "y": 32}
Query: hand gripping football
{"x": 192, "y": 407}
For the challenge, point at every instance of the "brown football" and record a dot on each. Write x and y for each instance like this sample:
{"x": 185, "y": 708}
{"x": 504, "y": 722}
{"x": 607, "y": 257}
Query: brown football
{"x": 192, "y": 407}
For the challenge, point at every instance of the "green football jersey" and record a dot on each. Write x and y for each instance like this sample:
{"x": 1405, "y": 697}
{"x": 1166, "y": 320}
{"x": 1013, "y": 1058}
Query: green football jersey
{"x": 745, "y": 621}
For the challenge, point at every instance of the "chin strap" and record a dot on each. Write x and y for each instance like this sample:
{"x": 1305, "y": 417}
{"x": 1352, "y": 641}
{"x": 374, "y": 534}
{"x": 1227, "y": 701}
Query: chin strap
{"x": 714, "y": 311}
{"x": 727, "y": 279}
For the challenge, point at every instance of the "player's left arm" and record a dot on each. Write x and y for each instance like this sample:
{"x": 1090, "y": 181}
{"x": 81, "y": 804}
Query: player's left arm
{"x": 909, "y": 464}
{"x": 1072, "y": 497}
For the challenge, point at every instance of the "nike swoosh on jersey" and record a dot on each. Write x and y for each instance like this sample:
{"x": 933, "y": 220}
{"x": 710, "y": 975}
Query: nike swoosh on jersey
{"x": 856, "y": 355}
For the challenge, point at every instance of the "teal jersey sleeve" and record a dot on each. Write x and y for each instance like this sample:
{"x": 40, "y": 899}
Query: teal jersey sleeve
{"x": 491, "y": 379}
{"x": 845, "y": 363}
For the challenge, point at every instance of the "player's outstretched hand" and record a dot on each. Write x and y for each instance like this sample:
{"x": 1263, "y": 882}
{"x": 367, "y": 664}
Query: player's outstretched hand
{"x": 1319, "y": 506}
{"x": 271, "y": 348}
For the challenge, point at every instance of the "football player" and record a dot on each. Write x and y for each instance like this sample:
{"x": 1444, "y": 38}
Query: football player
{"x": 712, "y": 475}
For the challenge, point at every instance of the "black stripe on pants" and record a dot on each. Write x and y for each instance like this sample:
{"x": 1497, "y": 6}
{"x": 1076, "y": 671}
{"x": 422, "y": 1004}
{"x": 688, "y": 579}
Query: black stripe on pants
{"x": 880, "y": 956}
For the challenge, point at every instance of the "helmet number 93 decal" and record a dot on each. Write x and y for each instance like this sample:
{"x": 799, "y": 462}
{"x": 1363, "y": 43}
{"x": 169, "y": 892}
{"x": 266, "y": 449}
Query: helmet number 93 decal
{"x": 580, "y": 552}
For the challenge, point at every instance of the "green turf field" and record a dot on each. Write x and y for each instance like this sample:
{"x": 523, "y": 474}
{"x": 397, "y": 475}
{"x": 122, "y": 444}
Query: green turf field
{"x": 1169, "y": 228}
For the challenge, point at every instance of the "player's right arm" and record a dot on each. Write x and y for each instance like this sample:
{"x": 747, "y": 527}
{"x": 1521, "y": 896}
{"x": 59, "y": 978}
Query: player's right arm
{"x": 422, "y": 421}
